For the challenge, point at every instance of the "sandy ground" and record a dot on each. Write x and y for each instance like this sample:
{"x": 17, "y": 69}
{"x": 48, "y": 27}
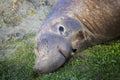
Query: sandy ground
{"x": 18, "y": 18}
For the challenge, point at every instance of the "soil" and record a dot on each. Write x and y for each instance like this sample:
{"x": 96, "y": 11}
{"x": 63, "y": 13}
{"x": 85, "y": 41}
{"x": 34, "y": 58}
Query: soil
{"x": 19, "y": 18}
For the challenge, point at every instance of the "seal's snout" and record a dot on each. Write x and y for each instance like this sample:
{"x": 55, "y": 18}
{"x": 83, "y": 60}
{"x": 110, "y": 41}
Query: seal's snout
{"x": 51, "y": 52}
{"x": 36, "y": 70}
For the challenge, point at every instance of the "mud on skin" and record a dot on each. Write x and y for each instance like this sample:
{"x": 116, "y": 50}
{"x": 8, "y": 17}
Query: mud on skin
{"x": 72, "y": 26}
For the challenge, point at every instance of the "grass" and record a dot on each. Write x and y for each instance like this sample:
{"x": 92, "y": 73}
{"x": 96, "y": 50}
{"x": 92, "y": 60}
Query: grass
{"x": 101, "y": 62}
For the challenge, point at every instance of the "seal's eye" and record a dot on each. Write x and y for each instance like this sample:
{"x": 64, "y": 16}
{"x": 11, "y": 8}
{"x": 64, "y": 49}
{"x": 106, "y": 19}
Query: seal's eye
{"x": 61, "y": 28}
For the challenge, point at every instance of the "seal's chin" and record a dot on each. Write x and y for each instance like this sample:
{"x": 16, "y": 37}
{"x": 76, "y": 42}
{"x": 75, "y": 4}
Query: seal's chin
{"x": 51, "y": 52}
{"x": 49, "y": 63}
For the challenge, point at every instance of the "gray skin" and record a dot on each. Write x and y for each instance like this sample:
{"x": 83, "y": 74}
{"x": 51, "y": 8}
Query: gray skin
{"x": 72, "y": 26}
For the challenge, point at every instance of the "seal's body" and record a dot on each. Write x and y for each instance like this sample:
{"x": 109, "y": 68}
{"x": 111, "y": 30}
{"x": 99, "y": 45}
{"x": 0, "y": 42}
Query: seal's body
{"x": 72, "y": 26}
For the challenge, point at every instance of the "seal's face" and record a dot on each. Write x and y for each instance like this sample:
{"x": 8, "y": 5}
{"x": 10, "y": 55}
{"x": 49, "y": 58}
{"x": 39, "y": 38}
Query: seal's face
{"x": 56, "y": 40}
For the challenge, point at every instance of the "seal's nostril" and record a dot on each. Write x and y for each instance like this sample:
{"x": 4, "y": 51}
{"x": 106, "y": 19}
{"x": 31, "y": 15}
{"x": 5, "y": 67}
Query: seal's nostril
{"x": 36, "y": 70}
{"x": 74, "y": 50}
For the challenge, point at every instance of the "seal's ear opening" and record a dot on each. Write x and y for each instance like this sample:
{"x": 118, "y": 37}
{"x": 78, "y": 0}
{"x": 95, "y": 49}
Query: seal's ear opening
{"x": 79, "y": 38}
{"x": 81, "y": 35}
{"x": 81, "y": 42}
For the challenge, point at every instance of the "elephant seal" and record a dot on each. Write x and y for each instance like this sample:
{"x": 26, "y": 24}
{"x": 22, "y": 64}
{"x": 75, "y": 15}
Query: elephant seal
{"x": 72, "y": 26}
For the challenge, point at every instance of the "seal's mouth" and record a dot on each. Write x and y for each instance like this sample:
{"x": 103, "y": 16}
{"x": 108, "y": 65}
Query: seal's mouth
{"x": 62, "y": 54}
{"x": 52, "y": 51}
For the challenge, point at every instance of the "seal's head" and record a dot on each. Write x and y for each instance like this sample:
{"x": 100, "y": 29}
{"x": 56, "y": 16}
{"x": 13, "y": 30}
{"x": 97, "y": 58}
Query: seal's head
{"x": 57, "y": 38}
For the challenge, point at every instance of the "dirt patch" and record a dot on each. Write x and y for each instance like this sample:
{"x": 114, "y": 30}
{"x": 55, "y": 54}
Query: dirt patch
{"x": 19, "y": 18}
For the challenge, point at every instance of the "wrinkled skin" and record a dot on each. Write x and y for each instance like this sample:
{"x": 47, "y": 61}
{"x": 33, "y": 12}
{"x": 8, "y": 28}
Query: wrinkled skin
{"x": 72, "y": 26}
